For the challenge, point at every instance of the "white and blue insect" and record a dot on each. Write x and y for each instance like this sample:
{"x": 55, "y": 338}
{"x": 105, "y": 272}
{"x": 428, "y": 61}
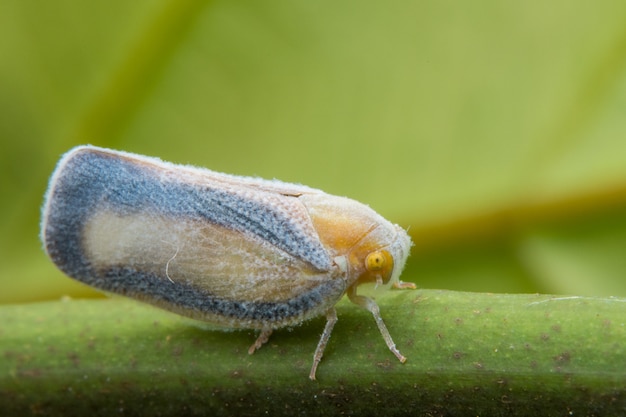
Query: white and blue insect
{"x": 239, "y": 252}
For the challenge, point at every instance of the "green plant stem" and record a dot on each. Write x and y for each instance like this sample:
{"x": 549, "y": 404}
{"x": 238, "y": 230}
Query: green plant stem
{"x": 468, "y": 353}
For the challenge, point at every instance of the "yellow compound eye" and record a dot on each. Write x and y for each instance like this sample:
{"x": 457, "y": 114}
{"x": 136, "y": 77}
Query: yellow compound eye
{"x": 375, "y": 261}
{"x": 378, "y": 268}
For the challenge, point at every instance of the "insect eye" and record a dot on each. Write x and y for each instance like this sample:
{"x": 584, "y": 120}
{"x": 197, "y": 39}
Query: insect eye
{"x": 375, "y": 261}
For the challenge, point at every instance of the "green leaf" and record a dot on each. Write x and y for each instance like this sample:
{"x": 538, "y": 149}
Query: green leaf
{"x": 493, "y": 131}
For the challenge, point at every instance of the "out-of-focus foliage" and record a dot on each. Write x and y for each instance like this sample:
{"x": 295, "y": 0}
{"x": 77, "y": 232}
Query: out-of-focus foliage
{"x": 494, "y": 130}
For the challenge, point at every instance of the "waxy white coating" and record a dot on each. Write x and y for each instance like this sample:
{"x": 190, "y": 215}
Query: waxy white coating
{"x": 241, "y": 252}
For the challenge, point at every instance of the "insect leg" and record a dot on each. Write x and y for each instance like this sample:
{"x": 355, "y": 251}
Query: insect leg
{"x": 372, "y": 307}
{"x": 260, "y": 341}
{"x": 331, "y": 319}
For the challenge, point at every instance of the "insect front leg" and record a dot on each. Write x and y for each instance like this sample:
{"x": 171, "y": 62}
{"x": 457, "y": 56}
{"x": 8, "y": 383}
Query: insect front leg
{"x": 372, "y": 307}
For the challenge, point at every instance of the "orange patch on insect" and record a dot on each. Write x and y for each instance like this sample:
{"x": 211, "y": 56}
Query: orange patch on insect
{"x": 354, "y": 236}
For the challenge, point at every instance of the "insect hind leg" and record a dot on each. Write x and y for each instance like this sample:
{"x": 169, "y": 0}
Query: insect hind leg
{"x": 260, "y": 341}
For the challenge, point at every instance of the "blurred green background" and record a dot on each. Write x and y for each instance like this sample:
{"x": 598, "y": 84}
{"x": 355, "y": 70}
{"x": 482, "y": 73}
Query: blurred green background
{"x": 494, "y": 131}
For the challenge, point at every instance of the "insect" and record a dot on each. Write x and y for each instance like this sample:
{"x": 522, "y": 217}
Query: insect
{"x": 240, "y": 252}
